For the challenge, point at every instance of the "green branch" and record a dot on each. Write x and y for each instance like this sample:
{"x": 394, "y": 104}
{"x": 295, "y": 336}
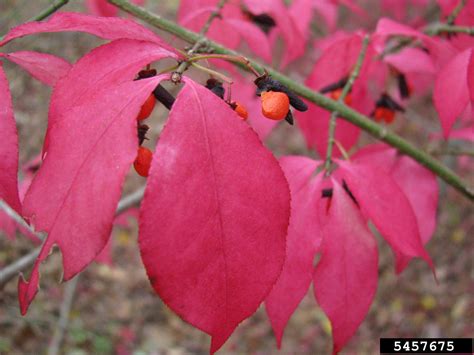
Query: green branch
{"x": 345, "y": 112}
{"x": 176, "y": 77}
{"x": 441, "y": 28}
{"x": 452, "y": 16}
{"x": 347, "y": 87}
{"x": 49, "y": 10}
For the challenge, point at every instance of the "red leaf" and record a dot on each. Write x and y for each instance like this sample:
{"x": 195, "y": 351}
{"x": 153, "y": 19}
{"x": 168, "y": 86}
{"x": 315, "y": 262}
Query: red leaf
{"x": 386, "y": 205}
{"x": 295, "y": 44}
{"x": 255, "y": 38}
{"x": 451, "y": 92}
{"x": 411, "y": 60}
{"x": 110, "y": 64}
{"x": 314, "y": 125}
{"x": 441, "y": 51}
{"x": 74, "y": 194}
{"x": 194, "y": 14}
{"x": 104, "y": 27}
{"x": 103, "y": 8}
{"x": 214, "y": 217}
{"x": 8, "y": 147}
{"x": 417, "y": 183}
{"x": 345, "y": 279}
{"x": 470, "y": 77}
{"x": 421, "y": 188}
{"x": 302, "y": 242}
{"x": 336, "y": 63}
{"x": 44, "y": 67}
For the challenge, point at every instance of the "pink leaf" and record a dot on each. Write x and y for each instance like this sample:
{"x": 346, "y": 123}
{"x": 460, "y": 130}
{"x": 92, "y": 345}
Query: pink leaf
{"x": 195, "y": 14}
{"x": 215, "y": 214}
{"x": 255, "y": 38}
{"x": 470, "y": 77}
{"x": 314, "y": 125}
{"x": 328, "y": 11}
{"x": 420, "y": 186}
{"x": 301, "y": 11}
{"x": 44, "y": 67}
{"x": 440, "y": 51}
{"x": 104, "y": 27}
{"x": 103, "y": 8}
{"x": 8, "y": 147}
{"x": 345, "y": 279}
{"x": 451, "y": 93}
{"x": 386, "y": 205}
{"x": 417, "y": 183}
{"x": 302, "y": 242}
{"x": 75, "y": 193}
{"x": 295, "y": 47}
{"x": 411, "y": 60}
{"x": 335, "y": 64}
{"x": 109, "y": 64}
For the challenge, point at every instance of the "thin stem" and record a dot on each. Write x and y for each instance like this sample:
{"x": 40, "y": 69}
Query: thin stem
{"x": 65, "y": 310}
{"x": 440, "y": 28}
{"x": 209, "y": 71}
{"x": 452, "y": 16}
{"x": 345, "y": 112}
{"x": 49, "y": 10}
{"x": 230, "y": 58}
{"x": 19, "y": 219}
{"x": 350, "y": 82}
{"x": 452, "y": 151}
{"x": 185, "y": 65}
{"x": 12, "y": 270}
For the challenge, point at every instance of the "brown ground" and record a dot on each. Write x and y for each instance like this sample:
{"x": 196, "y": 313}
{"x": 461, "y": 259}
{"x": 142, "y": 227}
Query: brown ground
{"x": 116, "y": 310}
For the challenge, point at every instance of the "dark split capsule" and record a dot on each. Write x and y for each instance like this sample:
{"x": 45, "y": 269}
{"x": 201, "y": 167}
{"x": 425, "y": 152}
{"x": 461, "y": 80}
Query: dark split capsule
{"x": 164, "y": 96}
{"x": 386, "y": 101}
{"x": 349, "y": 192}
{"x": 335, "y": 86}
{"x": 266, "y": 83}
{"x": 403, "y": 87}
{"x": 326, "y": 193}
{"x": 264, "y": 21}
{"x": 161, "y": 94}
{"x": 216, "y": 87}
{"x": 142, "y": 129}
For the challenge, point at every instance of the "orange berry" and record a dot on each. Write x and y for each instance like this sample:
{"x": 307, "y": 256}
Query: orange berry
{"x": 241, "y": 111}
{"x": 336, "y": 94}
{"x": 143, "y": 161}
{"x": 384, "y": 114}
{"x": 147, "y": 108}
{"x": 275, "y": 105}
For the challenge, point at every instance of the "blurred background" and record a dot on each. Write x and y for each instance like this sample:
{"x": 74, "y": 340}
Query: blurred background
{"x": 115, "y": 310}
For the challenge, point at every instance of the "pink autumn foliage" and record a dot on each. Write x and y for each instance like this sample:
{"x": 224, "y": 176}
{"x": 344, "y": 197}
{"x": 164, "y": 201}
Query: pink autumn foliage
{"x": 227, "y": 268}
{"x": 345, "y": 278}
{"x": 418, "y": 184}
{"x": 225, "y": 227}
{"x": 103, "y": 8}
{"x": 336, "y": 63}
{"x": 456, "y": 81}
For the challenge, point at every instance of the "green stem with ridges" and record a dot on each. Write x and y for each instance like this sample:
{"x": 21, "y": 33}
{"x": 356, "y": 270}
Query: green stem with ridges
{"x": 345, "y": 90}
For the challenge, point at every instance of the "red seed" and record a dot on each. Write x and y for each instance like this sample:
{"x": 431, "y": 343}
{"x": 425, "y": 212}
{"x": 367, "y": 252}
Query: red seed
{"x": 142, "y": 162}
{"x": 147, "y": 108}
